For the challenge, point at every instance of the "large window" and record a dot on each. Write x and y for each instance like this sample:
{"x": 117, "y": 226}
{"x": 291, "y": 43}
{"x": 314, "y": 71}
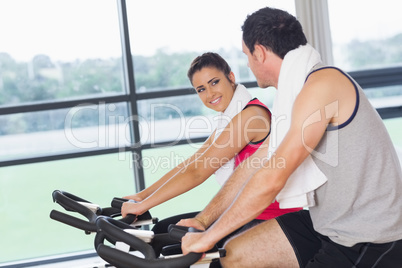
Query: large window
{"x": 61, "y": 82}
{"x": 87, "y": 90}
{"x": 366, "y": 40}
{"x": 169, "y": 36}
{"x": 366, "y": 34}
{"x": 51, "y": 57}
{"x": 52, "y": 51}
{"x": 26, "y": 202}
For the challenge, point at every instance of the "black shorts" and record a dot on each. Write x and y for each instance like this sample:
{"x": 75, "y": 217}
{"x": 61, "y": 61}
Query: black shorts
{"x": 315, "y": 250}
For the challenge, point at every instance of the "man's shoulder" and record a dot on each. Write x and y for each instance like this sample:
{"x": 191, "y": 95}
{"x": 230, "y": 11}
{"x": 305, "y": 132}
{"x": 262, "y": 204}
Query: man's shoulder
{"x": 325, "y": 75}
{"x": 327, "y": 80}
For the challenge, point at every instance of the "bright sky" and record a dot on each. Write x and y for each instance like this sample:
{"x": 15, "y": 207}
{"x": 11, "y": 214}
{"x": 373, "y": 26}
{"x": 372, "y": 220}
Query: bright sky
{"x": 30, "y": 27}
{"x": 60, "y": 29}
{"x": 71, "y": 29}
{"x": 201, "y": 25}
{"x": 364, "y": 19}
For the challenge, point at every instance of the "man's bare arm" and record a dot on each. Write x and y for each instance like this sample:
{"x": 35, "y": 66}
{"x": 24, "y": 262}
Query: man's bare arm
{"x": 231, "y": 188}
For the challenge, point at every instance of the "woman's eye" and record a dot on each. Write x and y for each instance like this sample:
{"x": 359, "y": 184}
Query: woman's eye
{"x": 200, "y": 90}
{"x": 215, "y": 82}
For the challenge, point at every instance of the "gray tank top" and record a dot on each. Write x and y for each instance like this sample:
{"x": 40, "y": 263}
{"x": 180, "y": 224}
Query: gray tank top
{"x": 362, "y": 199}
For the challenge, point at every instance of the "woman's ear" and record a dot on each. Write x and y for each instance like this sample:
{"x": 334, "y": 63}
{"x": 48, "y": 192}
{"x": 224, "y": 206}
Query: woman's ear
{"x": 232, "y": 78}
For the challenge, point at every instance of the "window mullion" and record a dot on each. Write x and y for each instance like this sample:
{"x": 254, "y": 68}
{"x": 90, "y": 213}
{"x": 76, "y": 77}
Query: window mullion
{"x": 128, "y": 69}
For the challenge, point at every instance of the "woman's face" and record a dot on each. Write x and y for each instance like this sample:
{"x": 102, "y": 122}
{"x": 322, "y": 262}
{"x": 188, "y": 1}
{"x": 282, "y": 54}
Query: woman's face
{"x": 214, "y": 88}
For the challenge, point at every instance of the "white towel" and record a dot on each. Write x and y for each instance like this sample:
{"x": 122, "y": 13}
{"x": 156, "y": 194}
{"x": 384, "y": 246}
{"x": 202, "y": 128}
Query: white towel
{"x": 299, "y": 189}
{"x": 240, "y": 99}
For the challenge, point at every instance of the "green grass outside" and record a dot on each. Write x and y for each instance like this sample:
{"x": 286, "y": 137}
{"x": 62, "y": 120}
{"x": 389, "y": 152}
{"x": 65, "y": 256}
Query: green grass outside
{"x": 394, "y": 127}
{"x": 25, "y": 200}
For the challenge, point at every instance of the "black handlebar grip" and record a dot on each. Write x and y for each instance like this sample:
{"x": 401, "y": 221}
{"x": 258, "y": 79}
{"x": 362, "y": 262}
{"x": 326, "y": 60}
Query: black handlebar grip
{"x": 176, "y": 232}
{"x": 72, "y": 221}
{"x": 117, "y": 202}
{"x": 129, "y": 219}
{"x": 71, "y": 203}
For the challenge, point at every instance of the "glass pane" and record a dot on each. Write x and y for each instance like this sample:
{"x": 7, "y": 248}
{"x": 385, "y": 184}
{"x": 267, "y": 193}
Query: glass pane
{"x": 265, "y": 95}
{"x": 366, "y": 34}
{"x": 27, "y": 228}
{"x": 164, "y": 40}
{"x": 82, "y": 128}
{"x": 55, "y": 50}
{"x": 157, "y": 162}
{"x": 394, "y": 127}
{"x": 381, "y": 97}
{"x": 174, "y": 119}
{"x": 182, "y": 117}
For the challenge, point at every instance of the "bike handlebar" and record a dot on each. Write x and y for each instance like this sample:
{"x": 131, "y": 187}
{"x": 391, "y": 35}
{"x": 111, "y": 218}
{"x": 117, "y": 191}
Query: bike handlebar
{"x": 117, "y": 202}
{"x": 113, "y": 230}
{"x": 177, "y": 232}
{"x": 74, "y": 203}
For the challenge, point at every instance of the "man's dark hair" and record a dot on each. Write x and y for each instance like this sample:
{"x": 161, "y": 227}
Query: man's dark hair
{"x": 275, "y": 29}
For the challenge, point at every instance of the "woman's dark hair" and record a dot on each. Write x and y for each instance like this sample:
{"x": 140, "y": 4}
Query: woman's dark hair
{"x": 275, "y": 29}
{"x": 208, "y": 59}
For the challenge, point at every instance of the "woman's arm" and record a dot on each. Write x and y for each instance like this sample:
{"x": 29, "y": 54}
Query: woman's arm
{"x": 156, "y": 185}
{"x": 252, "y": 124}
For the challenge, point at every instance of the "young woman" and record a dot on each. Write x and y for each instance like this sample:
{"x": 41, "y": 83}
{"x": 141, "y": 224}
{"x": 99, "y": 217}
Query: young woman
{"x": 243, "y": 125}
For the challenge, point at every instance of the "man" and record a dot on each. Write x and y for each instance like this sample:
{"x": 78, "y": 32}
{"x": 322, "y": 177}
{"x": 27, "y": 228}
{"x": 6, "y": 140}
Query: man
{"x": 336, "y": 158}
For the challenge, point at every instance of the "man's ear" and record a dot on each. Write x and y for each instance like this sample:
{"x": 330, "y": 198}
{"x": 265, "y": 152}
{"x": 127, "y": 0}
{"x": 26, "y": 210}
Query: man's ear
{"x": 260, "y": 53}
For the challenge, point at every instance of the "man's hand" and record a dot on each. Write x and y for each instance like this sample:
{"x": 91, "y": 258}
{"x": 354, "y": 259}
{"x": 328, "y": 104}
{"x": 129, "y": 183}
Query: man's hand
{"x": 192, "y": 222}
{"x": 196, "y": 242}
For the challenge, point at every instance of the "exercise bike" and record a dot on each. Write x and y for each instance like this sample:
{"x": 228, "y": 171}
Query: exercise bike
{"x": 91, "y": 212}
{"x": 142, "y": 254}
{"x": 131, "y": 246}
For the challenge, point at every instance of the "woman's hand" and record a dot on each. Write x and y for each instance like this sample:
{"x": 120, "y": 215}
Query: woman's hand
{"x": 134, "y": 197}
{"x": 192, "y": 222}
{"x": 131, "y": 207}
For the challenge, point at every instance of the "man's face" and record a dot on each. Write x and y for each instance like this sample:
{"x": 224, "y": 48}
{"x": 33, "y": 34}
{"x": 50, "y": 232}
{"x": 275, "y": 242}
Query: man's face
{"x": 253, "y": 64}
{"x": 264, "y": 64}
{"x": 250, "y": 58}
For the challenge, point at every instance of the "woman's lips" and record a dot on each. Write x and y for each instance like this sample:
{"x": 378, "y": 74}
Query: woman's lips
{"x": 216, "y": 101}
